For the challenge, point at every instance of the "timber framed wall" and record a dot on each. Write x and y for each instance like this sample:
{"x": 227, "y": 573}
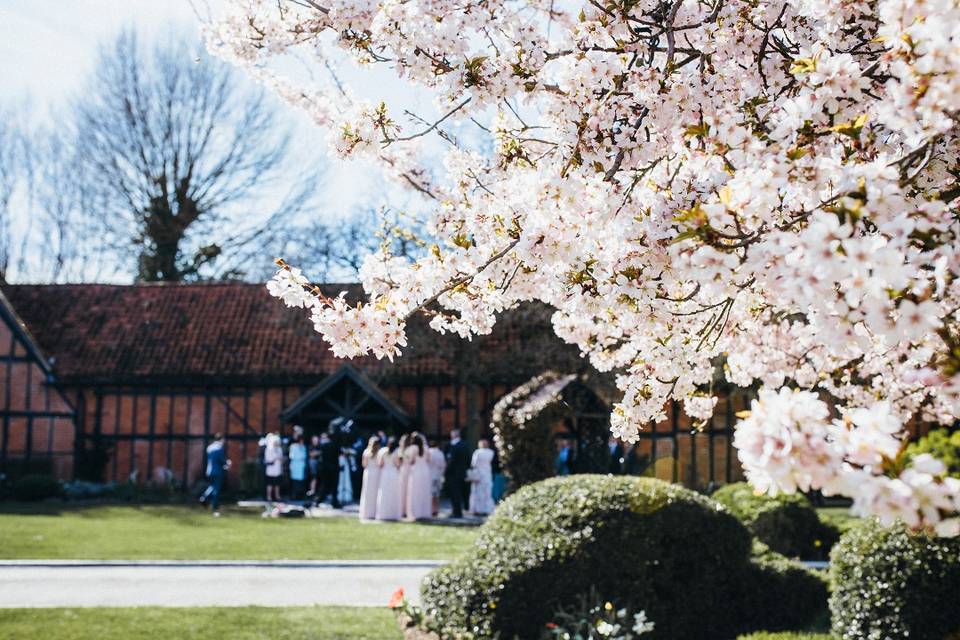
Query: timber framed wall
{"x": 695, "y": 457}
{"x": 36, "y": 421}
{"x": 145, "y": 428}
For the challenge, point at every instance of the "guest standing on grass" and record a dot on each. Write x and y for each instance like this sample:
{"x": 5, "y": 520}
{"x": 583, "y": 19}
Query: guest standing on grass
{"x": 329, "y": 471}
{"x": 438, "y": 465}
{"x": 388, "y": 493}
{"x": 298, "y": 466}
{"x": 371, "y": 479}
{"x": 404, "y": 472}
{"x": 499, "y": 480}
{"x": 481, "y": 489}
{"x": 273, "y": 465}
{"x": 217, "y": 465}
{"x": 564, "y": 462}
{"x": 458, "y": 460}
{"x": 419, "y": 496}
{"x": 356, "y": 466}
{"x": 345, "y": 479}
{"x": 615, "y": 446}
{"x": 313, "y": 464}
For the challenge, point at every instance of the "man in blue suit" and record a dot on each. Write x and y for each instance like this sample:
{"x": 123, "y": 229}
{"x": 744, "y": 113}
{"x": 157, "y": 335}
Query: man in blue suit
{"x": 217, "y": 465}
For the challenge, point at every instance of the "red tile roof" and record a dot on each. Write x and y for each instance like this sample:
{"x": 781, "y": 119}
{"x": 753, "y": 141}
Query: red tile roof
{"x": 235, "y": 333}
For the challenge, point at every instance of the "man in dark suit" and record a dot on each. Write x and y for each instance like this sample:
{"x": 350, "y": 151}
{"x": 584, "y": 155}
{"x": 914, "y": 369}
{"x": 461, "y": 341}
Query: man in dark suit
{"x": 458, "y": 461}
{"x": 329, "y": 470}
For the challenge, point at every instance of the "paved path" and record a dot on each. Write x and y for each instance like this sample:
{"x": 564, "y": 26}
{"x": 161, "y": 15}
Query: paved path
{"x": 123, "y": 584}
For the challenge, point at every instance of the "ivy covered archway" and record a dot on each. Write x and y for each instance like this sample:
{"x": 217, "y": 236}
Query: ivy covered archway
{"x": 524, "y": 422}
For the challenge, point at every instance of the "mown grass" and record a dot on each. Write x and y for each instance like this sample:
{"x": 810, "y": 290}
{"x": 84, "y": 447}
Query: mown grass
{"x": 200, "y": 623}
{"x": 171, "y": 532}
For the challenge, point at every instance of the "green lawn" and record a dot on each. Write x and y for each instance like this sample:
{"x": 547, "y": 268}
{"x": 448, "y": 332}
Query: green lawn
{"x": 201, "y": 623}
{"x": 189, "y": 533}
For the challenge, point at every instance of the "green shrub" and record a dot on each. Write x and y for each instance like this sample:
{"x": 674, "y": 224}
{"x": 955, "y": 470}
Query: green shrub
{"x": 943, "y": 446}
{"x": 35, "y": 487}
{"x": 642, "y": 542}
{"x": 788, "y": 524}
{"x": 252, "y": 481}
{"x": 150, "y": 492}
{"x": 778, "y": 588}
{"x": 891, "y": 583}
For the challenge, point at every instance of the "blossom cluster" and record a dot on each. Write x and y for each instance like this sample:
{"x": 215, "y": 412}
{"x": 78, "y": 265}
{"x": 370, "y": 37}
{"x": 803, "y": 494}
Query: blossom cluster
{"x": 788, "y": 443}
{"x": 763, "y": 190}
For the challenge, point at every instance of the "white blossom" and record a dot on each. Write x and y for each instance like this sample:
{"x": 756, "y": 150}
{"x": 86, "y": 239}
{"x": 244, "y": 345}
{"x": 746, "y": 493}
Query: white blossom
{"x": 769, "y": 185}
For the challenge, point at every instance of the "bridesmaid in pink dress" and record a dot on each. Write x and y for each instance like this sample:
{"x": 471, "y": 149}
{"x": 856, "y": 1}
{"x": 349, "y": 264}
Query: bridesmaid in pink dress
{"x": 405, "y": 464}
{"x": 388, "y": 493}
{"x": 371, "y": 479}
{"x": 419, "y": 495}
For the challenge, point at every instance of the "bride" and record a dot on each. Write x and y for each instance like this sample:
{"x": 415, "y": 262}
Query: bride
{"x": 481, "y": 487}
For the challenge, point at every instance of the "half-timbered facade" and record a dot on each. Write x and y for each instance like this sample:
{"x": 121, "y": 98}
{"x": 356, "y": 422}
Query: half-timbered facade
{"x": 115, "y": 381}
{"x": 37, "y": 421}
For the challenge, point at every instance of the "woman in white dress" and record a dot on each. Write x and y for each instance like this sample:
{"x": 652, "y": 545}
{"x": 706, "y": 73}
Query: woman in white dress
{"x": 419, "y": 496}
{"x": 371, "y": 479}
{"x": 405, "y": 464}
{"x": 273, "y": 466}
{"x": 481, "y": 488}
{"x": 388, "y": 493}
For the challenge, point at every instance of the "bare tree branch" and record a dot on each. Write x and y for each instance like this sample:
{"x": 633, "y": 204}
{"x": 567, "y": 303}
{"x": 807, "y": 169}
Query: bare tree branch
{"x": 179, "y": 150}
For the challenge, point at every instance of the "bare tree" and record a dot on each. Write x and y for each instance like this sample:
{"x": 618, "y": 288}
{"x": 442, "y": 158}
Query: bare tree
{"x": 13, "y": 158}
{"x": 334, "y": 251}
{"x": 179, "y": 162}
{"x": 61, "y": 198}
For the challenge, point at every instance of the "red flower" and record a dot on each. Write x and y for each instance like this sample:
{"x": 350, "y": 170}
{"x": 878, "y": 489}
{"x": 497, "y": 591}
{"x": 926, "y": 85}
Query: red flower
{"x": 551, "y": 625}
{"x": 396, "y": 600}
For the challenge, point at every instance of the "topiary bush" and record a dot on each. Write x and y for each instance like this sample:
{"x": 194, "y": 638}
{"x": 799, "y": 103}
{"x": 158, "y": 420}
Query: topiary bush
{"x": 645, "y": 543}
{"x": 788, "y": 524}
{"x": 891, "y": 583}
{"x": 778, "y": 587}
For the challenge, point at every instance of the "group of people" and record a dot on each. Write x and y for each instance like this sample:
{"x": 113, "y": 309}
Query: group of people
{"x": 320, "y": 470}
{"x": 404, "y": 478}
{"x": 394, "y": 478}
{"x": 624, "y": 459}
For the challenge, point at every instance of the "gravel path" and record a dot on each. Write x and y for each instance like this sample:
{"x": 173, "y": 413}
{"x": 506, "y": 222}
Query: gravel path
{"x": 126, "y": 584}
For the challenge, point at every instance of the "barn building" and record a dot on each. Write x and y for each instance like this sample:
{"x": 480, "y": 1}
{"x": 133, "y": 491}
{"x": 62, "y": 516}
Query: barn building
{"x": 111, "y": 380}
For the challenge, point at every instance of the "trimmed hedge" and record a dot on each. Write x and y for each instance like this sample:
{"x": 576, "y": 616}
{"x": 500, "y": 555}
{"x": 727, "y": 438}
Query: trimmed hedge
{"x": 788, "y": 524}
{"x": 646, "y": 543}
{"x": 891, "y": 583}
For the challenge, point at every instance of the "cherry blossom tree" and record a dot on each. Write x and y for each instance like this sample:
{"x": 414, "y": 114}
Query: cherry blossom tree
{"x": 764, "y": 184}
